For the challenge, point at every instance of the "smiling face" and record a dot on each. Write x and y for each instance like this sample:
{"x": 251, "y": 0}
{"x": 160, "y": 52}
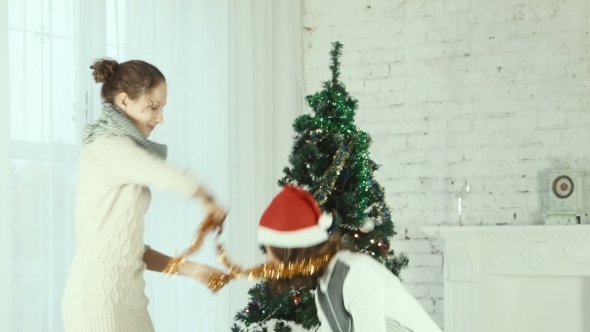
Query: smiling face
{"x": 145, "y": 112}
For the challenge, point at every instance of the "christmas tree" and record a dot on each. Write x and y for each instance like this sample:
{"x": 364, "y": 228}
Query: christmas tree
{"x": 330, "y": 159}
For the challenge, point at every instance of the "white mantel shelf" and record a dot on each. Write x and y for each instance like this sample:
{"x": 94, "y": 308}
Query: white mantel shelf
{"x": 475, "y": 257}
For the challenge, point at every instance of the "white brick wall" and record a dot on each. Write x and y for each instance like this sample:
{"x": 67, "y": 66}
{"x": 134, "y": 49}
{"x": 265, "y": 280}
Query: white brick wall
{"x": 492, "y": 91}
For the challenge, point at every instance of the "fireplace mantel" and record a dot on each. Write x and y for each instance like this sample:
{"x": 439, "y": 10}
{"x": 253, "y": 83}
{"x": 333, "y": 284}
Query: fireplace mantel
{"x": 474, "y": 256}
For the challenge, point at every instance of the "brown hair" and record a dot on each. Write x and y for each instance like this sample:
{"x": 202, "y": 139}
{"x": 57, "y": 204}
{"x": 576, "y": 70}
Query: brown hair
{"x": 134, "y": 77}
{"x": 331, "y": 246}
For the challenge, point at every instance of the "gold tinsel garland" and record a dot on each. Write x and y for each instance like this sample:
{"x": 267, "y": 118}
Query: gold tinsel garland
{"x": 332, "y": 173}
{"x": 177, "y": 262}
{"x": 305, "y": 267}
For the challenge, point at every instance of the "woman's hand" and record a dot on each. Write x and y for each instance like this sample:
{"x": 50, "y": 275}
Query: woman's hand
{"x": 216, "y": 213}
{"x": 202, "y": 273}
{"x": 212, "y": 210}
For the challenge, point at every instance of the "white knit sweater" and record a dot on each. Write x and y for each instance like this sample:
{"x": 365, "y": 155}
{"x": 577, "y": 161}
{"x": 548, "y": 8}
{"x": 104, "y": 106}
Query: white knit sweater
{"x": 105, "y": 287}
{"x": 359, "y": 294}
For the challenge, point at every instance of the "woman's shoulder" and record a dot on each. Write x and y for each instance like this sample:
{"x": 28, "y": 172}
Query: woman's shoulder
{"x": 106, "y": 147}
{"x": 362, "y": 263}
{"x": 346, "y": 261}
{"x": 109, "y": 139}
{"x": 110, "y": 143}
{"x": 348, "y": 267}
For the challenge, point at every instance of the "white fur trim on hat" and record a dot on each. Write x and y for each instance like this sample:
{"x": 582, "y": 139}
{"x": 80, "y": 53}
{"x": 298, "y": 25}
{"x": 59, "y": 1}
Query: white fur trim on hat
{"x": 301, "y": 238}
{"x": 325, "y": 220}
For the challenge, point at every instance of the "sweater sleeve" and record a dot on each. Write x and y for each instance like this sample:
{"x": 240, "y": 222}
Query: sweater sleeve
{"x": 128, "y": 163}
{"x": 364, "y": 299}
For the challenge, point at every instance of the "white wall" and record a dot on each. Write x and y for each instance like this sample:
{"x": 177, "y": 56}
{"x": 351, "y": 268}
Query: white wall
{"x": 494, "y": 92}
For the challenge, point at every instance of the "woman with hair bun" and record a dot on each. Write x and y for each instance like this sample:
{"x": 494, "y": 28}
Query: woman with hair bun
{"x": 118, "y": 164}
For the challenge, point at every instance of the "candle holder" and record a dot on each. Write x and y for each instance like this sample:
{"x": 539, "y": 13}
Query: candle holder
{"x": 460, "y": 189}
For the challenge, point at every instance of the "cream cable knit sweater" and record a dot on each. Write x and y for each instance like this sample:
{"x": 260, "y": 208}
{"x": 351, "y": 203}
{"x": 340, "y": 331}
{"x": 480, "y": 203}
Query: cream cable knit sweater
{"x": 105, "y": 287}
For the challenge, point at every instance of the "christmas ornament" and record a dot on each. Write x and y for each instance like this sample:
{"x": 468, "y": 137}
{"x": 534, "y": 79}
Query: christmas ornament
{"x": 368, "y": 226}
{"x": 295, "y": 296}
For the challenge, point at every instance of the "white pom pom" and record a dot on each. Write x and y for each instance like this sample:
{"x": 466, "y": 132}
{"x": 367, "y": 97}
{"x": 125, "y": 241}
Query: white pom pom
{"x": 325, "y": 220}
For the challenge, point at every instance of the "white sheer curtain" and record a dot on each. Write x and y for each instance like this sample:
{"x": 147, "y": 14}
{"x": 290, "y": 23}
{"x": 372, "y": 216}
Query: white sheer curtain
{"x": 234, "y": 75}
{"x": 266, "y": 95}
{"x": 6, "y": 282}
{"x": 42, "y": 139}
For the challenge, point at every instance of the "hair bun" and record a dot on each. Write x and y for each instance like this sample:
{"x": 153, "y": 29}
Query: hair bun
{"x": 103, "y": 69}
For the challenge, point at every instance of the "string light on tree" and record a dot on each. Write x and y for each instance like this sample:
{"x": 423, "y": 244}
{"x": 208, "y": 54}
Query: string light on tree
{"x": 295, "y": 296}
{"x": 252, "y": 307}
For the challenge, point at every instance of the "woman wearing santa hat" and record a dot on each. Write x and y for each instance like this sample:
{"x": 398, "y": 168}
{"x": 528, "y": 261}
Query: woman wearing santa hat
{"x": 354, "y": 292}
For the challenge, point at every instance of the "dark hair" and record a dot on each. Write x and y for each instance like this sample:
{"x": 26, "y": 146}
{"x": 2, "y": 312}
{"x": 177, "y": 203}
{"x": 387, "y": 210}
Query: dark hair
{"x": 331, "y": 246}
{"x": 134, "y": 77}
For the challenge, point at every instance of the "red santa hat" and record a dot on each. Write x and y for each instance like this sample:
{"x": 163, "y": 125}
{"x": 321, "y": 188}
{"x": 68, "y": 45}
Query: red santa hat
{"x": 293, "y": 220}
